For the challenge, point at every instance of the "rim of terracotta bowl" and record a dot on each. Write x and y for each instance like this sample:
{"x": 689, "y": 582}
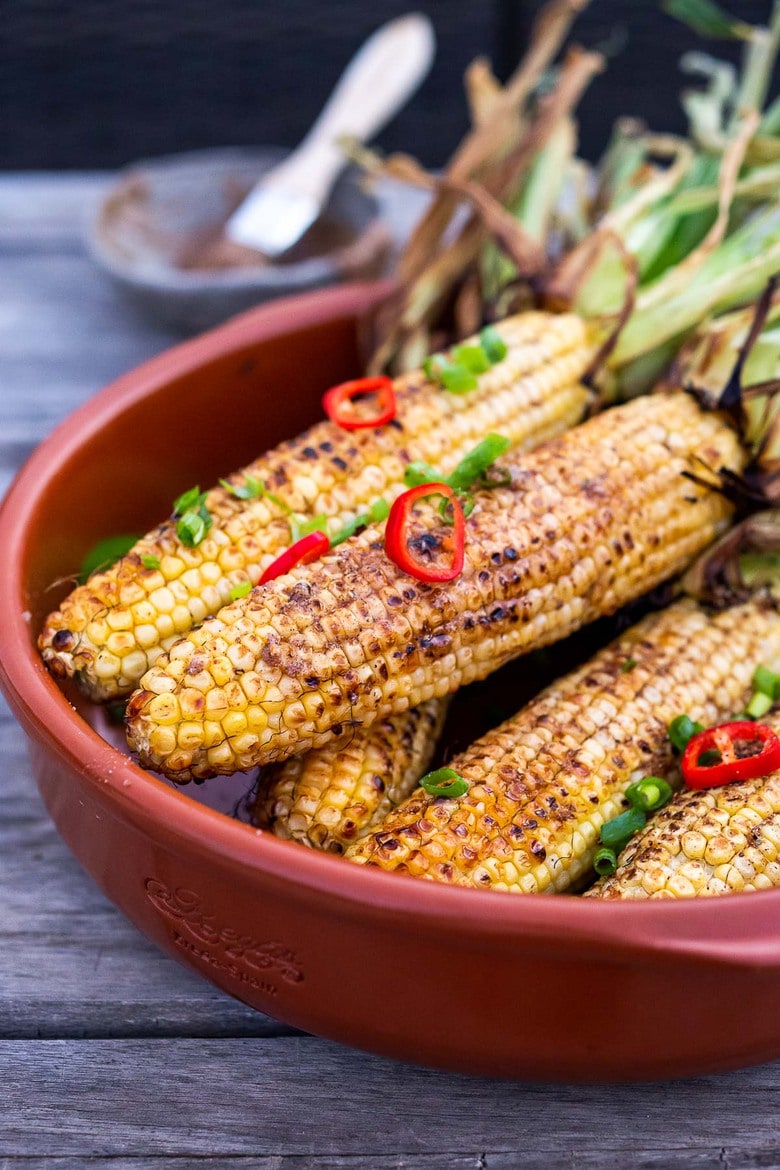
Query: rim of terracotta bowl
{"x": 741, "y": 930}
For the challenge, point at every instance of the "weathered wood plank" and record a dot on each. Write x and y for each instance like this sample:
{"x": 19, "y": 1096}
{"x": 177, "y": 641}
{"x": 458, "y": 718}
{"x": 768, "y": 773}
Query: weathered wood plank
{"x": 475, "y": 1161}
{"x": 717, "y": 1159}
{"x": 303, "y": 1096}
{"x": 70, "y": 965}
{"x": 47, "y": 212}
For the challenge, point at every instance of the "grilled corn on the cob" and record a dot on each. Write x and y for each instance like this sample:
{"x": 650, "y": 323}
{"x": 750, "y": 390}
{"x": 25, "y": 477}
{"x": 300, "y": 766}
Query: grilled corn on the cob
{"x": 111, "y": 629}
{"x": 718, "y": 841}
{"x": 591, "y": 521}
{"x": 333, "y": 796}
{"x": 542, "y": 784}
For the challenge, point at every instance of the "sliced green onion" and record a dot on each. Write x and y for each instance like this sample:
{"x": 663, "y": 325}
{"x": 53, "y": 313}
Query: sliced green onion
{"x": 279, "y": 503}
{"x": 649, "y": 794}
{"x": 242, "y": 589}
{"x": 250, "y": 489}
{"x": 457, "y": 379}
{"x": 629, "y": 665}
{"x": 445, "y": 507}
{"x": 458, "y": 372}
{"x": 194, "y": 517}
{"x": 681, "y": 730}
{"x": 493, "y": 344}
{"x": 106, "y": 553}
{"x": 494, "y": 477}
{"x": 477, "y": 461}
{"x": 349, "y": 529}
{"x": 193, "y": 526}
{"x": 766, "y": 682}
{"x": 605, "y": 862}
{"x": 300, "y": 526}
{"x": 709, "y": 758}
{"x": 419, "y": 472}
{"x": 379, "y": 511}
{"x": 150, "y": 562}
{"x": 432, "y": 366}
{"x": 759, "y": 705}
{"x": 444, "y": 782}
{"x": 473, "y": 357}
{"x": 615, "y": 833}
{"x": 189, "y": 501}
{"x": 253, "y": 489}
{"x": 472, "y": 469}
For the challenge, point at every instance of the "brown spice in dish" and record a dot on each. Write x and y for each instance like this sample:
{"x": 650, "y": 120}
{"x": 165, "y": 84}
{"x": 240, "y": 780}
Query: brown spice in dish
{"x": 207, "y": 248}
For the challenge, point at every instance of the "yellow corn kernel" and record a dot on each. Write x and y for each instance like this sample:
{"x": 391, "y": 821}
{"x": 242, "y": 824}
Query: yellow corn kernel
{"x": 333, "y": 796}
{"x": 531, "y": 817}
{"x": 531, "y": 395}
{"x": 705, "y": 843}
{"x": 525, "y": 582}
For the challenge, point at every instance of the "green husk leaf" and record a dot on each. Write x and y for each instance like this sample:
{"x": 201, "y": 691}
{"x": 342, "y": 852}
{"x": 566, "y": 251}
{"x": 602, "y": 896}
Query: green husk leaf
{"x": 745, "y": 559}
{"x": 758, "y": 569}
{"x": 733, "y": 274}
{"x": 758, "y": 183}
{"x": 708, "y": 19}
{"x": 535, "y": 207}
{"x": 709, "y": 109}
{"x": 770, "y": 121}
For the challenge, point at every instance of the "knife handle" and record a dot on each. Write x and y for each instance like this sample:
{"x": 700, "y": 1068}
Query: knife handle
{"x": 378, "y": 81}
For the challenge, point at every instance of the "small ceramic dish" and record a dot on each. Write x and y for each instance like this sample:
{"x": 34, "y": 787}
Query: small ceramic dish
{"x": 543, "y": 988}
{"x": 157, "y": 233}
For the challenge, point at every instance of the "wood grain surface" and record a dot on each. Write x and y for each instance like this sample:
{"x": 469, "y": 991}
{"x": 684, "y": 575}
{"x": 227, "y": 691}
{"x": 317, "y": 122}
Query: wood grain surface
{"x": 111, "y": 1055}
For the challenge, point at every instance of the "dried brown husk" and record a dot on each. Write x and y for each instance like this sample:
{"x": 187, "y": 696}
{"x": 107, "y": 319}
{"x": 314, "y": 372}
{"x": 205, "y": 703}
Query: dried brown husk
{"x": 753, "y": 410}
{"x": 498, "y": 126}
{"x": 560, "y": 292}
{"x": 720, "y": 576}
{"x": 486, "y": 172}
{"x": 743, "y": 560}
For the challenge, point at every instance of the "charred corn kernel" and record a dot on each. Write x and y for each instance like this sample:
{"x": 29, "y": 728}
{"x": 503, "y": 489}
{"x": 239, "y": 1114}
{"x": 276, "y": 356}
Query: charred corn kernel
{"x": 530, "y": 396}
{"x": 717, "y": 841}
{"x": 371, "y": 639}
{"x": 542, "y": 785}
{"x": 334, "y": 795}
{"x": 165, "y": 739}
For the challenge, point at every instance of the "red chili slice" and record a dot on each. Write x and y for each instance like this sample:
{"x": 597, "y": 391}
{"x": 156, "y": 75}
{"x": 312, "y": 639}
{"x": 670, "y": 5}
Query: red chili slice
{"x": 337, "y": 403}
{"x": 309, "y": 548}
{"x": 400, "y": 543}
{"x": 734, "y": 764}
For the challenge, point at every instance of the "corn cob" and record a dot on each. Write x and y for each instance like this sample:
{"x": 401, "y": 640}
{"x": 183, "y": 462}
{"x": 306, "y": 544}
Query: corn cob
{"x": 334, "y": 796}
{"x": 110, "y": 630}
{"x": 590, "y": 521}
{"x": 718, "y": 841}
{"x": 542, "y": 784}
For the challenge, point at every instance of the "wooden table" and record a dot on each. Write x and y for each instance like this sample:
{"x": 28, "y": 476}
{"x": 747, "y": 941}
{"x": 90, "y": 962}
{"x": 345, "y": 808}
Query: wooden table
{"x": 113, "y": 1056}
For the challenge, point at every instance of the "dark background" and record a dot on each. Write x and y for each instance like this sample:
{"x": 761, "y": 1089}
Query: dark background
{"x": 98, "y": 83}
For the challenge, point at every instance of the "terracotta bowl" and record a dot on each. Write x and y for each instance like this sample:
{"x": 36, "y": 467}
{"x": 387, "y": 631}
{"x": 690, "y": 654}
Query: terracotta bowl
{"x": 534, "y": 987}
